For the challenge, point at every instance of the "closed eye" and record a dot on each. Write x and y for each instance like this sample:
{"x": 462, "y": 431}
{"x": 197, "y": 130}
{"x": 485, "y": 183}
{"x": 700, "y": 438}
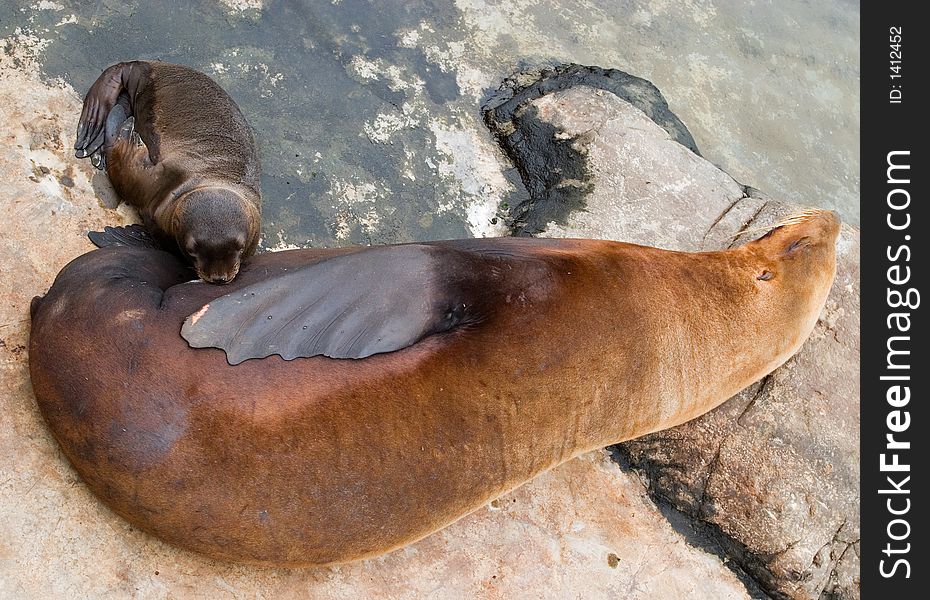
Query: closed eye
{"x": 797, "y": 244}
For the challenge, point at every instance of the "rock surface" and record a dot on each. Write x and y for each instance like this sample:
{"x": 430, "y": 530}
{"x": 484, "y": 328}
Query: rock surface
{"x": 772, "y": 474}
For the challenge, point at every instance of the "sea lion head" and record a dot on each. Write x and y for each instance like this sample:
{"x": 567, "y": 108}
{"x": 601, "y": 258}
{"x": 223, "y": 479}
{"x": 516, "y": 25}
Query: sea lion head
{"x": 216, "y": 228}
{"x": 793, "y": 266}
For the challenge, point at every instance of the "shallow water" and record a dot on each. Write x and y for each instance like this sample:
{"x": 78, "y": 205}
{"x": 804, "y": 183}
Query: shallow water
{"x": 368, "y": 113}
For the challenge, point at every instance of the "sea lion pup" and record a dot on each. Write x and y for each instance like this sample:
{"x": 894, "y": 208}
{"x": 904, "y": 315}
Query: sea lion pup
{"x": 529, "y": 352}
{"x": 176, "y": 147}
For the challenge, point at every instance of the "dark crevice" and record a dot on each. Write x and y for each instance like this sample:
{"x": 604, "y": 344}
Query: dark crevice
{"x": 711, "y": 469}
{"x": 745, "y": 227}
{"x": 763, "y": 387}
{"x": 720, "y": 217}
{"x": 770, "y": 556}
{"x": 748, "y": 192}
{"x": 829, "y": 593}
{"x": 816, "y": 561}
{"x": 751, "y": 192}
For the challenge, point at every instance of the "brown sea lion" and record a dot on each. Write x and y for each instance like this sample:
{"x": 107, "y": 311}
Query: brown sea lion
{"x": 512, "y": 356}
{"x": 176, "y": 146}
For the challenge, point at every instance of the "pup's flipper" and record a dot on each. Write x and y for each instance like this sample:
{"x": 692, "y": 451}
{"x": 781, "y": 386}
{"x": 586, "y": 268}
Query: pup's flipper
{"x": 130, "y": 235}
{"x": 122, "y": 80}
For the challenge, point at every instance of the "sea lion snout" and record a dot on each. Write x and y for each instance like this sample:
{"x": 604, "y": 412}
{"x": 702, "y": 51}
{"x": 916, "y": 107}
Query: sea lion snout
{"x": 809, "y": 228}
{"x": 822, "y": 226}
{"x": 808, "y": 250}
{"x": 220, "y": 266}
{"x": 808, "y": 237}
{"x": 217, "y": 231}
{"x": 219, "y": 277}
{"x": 215, "y": 261}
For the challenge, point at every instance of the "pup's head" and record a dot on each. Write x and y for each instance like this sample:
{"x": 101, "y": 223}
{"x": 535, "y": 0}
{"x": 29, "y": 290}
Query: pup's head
{"x": 216, "y": 228}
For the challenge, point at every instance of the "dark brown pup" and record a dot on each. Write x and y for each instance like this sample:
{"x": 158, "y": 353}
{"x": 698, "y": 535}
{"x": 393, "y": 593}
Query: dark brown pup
{"x": 176, "y": 147}
{"x": 570, "y": 345}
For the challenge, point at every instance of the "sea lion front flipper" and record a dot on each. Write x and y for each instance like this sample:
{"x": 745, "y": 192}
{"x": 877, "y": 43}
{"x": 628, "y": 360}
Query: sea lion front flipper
{"x": 101, "y": 97}
{"x": 121, "y": 78}
{"x": 131, "y": 235}
{"x": 350, "y": 306}
{"x": 116, "y": 120}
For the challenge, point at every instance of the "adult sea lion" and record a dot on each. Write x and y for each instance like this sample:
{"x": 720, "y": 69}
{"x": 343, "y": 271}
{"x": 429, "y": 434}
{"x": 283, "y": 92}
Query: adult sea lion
{"x": 512, "y": 356}
{"x": 176, "y": 146}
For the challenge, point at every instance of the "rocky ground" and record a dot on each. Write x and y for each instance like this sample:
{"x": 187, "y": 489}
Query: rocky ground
{"x": 373, "y": 132}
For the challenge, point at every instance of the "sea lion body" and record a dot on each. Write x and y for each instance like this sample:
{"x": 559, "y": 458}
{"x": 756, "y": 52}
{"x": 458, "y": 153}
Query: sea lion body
{"x": 178, "y": 148}
{"x": 578, "y": 344}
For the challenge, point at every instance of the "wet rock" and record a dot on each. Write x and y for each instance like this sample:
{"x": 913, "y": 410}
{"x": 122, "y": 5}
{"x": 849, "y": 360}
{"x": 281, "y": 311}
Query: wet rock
{"x": 772, "y": 475}
{"x": 552, "y": 166}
